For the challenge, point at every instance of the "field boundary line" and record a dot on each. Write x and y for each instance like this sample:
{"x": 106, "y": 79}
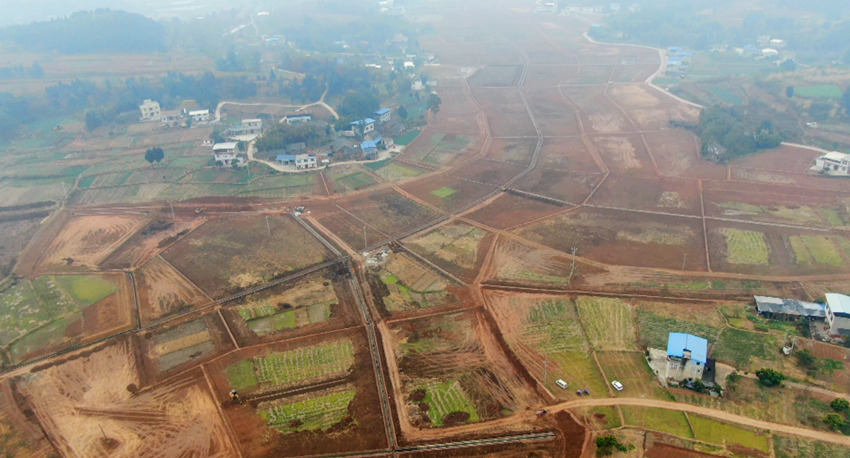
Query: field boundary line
{"x": 227, "y": 327}
{"x": 704, "y": 226}
{"x": 431, "y": 264}
{"x": 224, "y": 419}
{"x": 459, "y": 310}
{"x": 651, "y": 157}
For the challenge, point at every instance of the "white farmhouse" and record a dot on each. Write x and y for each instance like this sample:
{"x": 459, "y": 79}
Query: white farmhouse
{"x": 226, "y": 153}
{"x": 199, "y": 115}
{"x": 838, "y": 314}
{"x": 833, "y": 163}
{"x": 150, "y": 110}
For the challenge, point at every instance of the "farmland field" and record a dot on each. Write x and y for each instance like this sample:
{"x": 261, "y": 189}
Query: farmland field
{"x": 793, "y": 446}
{"x": 609, "y": 322}
{"x": 298, "y": 367}
{"x": 496, "y": 75}
{"x": 397, "y": 172}
{"x": 456, "y": 247}
{"x": 313, "y": 412}
{"x": 715, "y": 432}
{"x": 746, "y": 247}
{"x": 180, "y": 344}
{"x": 821, "y": 91}
{"x": 668, "y": 421}
{"x": 653, "y": 329}
{"x": 632, "y": 370}
{"x": 444, "y": 399}
{"x": 309, "y": 302}
{"x": 163, "y": 291}
{"x": 226, "y": 255}
{"x": 411, "y": 286}
{"x": 738, "y": 347}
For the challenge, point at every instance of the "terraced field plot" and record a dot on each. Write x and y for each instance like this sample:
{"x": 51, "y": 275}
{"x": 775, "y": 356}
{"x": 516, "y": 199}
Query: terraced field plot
{"x": 411, "y": 286}
{"x": 454, "y": 247}
{"x": 299, "y": 367}
{"x": 395, "y": 171}
{"x": 818, "y": 249}
{"x": 448, "y": 401}
{"x": 310, "y": 412}
{"x": 306, "y": 303}
{"x": 183, "y": 343}
{"x": 632, "y": 370}
{"x": 668, "y": 421}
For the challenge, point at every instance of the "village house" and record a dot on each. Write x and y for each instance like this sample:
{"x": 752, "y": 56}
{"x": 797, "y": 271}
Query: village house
{"x": 297, "y": 118}
{"x": 300, "y": 161}
{"x": 383, "y": 115}
{"x": 838, "y": 314}
{"x": 227, "y": 154}
{"x": 833, "y": 163}
{"x": 199, "y": 116}
{"x": 171, "y": 116}
{"x": 362, "y": 127}
{"x": 150, "y": 110}
{"x": 788, "y": 309}
{"x": 247, "y": 127}
{"x": 687, "y": 356}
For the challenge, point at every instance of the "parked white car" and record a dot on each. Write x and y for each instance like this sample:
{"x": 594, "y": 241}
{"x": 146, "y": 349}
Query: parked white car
{"x": 562, "y": 384}
{"x": 617, "y": 385}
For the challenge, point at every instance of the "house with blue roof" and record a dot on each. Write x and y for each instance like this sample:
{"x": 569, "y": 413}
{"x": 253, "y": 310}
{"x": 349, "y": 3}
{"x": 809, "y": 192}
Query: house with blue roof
{"x": 687, "y": 356}
{"x": 362, "y": 126}
{"x": 383, "y": 114}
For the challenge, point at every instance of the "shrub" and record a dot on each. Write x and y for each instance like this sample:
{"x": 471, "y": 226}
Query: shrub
{"x": 840, "y": 404}
{"x": 770, "y": 377}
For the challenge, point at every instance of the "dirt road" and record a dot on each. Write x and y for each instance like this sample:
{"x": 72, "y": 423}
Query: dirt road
{"x": 720, "y": 415}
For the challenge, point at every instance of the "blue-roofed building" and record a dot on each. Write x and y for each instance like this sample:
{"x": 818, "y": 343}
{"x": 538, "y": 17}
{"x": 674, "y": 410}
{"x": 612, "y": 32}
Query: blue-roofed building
{"x": 369, "y": 147}
{"x": 674, "y": 49}
{"x": 362, "y": 126}
{"x": 687, "y": 356}
{"x": 383, "y": 114}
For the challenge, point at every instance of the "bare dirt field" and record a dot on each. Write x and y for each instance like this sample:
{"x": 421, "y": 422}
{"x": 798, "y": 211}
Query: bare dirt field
{"x": 81, "y": 399}
{"x": 554, "y": 114}
{"x": 676, "y": 153}
{"x": 448, "y": 193}
{"x": 229, "y": 254}
{"x": 511, "y": 209}
{"x": 487, "y": 172}
{"x": 513, "y": 150}
{"x": 651, "y": 110}
{"x": 572, "y": 187}
{"x": 163, "y": 291}
{"x": 14, "y": 236}
{"x": 155, "y": 236}
{"x": 458, "y": 112}
{"x": 496, "y": 76}
{"x": 506, "y": 112}
{"x": 622, "y": 238}
{"x": 624, "y": 154}
{"x": 85, "y": 241}
{"x": 668, "y": 195}
{"x": 548, "y": 76}
{"x": 359, "y": 428}
{"x": 785, "y": 158}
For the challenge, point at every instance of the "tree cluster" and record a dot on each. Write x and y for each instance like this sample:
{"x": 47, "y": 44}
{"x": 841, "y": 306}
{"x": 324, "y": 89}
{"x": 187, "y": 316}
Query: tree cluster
{"x": 605, "y": 445}
{"x": 83, "y": 32}
{"x": 770, "y": 377}
{"x": 278, "y": 136}
{"x": 154, "y": 155}
{"x": 838, "y": 419}
{"x": 726, "y": 133}
{"x": 15, "y": 112}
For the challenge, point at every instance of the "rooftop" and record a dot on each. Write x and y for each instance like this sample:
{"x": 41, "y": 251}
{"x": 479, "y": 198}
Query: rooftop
{"x": 678, "y": 343}
{"x": 838, "y": 303}
{"x": 285, "y": 157}
{"x": 225, "y": 145}
{"x": 361, "y": 121}
{"x": 836, "y": 156}
{"x": 382, "y": 111}
{"x": 368, "y": 145}
{"x": 789, "y": 307}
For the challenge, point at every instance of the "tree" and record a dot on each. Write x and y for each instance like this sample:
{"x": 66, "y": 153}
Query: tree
{"x": 93, "y": 120}
{"x": 402, "y": 112}
{"x": 770, "y": 377}
{"x": 434, "y": 102}
{"x": 358, "y": 104}
{"x": 805, "y": 359}
{"x": 789, "y": 91}
{"x": 840, "y": 404}
{"x": 699, "y": 386}
{"x": 154, "y": 155}
{"x": 604, "y": 444}
{"x": 834, "y": 421}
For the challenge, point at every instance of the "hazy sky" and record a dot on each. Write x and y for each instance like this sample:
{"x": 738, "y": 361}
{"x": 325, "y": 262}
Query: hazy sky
{"x": 24, "y": 11}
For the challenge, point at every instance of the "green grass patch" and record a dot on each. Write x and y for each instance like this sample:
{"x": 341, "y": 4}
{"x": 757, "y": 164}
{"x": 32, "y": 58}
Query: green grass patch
{"x": 822, "y": 250}
{"x": 48, "y": 335}
{"x": 819, "y": 91}
{"x": 668, "y": 421}
{"x": 608, "y": 322}
{"x": 746, "y": 247}
{"x": 311, "y": 414}
{"x": 795, "y": 447}
{"x": 446, "y": 398}
{"x": 443, "y": 192}
{"x": 715, "y": 432}
{"x": 241, "y": 375}
{"x": 738, "y": 347}
{"x": 86, "y": 289}
{"x": 578, "y": 369}
{"x": 654, "y": 330}
{"x": 553, "y": 327}
{"x": 355, "y": 181}
{"x": 377, "y": 164}
{"x": 407, "y": 138}
{"x": 723, "y": 93}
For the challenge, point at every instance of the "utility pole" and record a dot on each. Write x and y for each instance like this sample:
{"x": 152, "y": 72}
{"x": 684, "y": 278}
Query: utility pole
{"x": 545, "y": 370}
{"x": 172, "y": 210}
{"x": 573, "y": 250}
{"x": 101, "y": 431}
{"x": 364, "y": 237}
{"x": 684, "y": 257}
{"x": 268, "y": 228}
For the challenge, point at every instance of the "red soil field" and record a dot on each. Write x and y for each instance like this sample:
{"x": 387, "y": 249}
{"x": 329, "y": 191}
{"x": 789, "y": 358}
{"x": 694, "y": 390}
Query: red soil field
{"x": 513, "y": 150}
{"x": 625, "y": 154}
{"x": 549, "y": 76}
{"x": 487, "y": 172}
{"x": 677, "y": 154}
{"x": 668, "y": 195}
{"x": 466, "y": 191}
{"x": 554, "y": 114}
{"x": 506, "y": 112}
{"x": 508, "y": 210}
